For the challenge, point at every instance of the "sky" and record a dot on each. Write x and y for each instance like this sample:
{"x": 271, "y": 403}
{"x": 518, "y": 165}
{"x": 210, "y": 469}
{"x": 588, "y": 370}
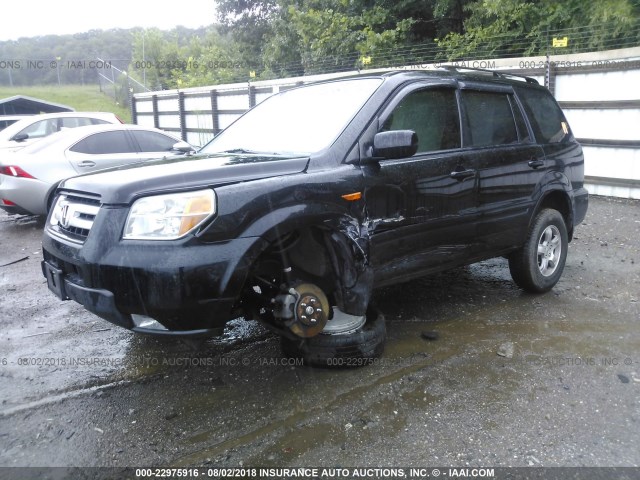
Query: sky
{"x": 60, "y": 17}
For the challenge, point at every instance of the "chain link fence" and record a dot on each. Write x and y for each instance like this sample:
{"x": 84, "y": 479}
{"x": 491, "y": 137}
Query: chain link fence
{"x": 119, "y": 85}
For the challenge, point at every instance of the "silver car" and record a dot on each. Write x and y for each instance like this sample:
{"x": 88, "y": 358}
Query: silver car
{"x": 28, "y": 178}
{"x": 33, "y": 128}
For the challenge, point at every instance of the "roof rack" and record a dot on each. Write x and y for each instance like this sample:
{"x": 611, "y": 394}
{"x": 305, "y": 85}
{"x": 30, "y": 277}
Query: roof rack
{"x": 492, "y": 72}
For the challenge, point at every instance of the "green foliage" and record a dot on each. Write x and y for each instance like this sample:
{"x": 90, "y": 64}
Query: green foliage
{"x": 296, "y": 37}
{"x": 512, "y": 27}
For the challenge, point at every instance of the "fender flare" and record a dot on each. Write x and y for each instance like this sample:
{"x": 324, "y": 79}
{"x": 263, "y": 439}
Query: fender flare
{"x": 551, "y": 183}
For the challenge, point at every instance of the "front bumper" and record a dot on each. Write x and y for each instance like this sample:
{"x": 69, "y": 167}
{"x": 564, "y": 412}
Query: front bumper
{"x": 189, "y": 287}
{"x": 102, "y": 303}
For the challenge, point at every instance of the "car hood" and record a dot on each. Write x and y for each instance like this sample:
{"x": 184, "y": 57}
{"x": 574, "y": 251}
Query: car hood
{"x": 120, "y": 185}
{"x": 10, "y": 147}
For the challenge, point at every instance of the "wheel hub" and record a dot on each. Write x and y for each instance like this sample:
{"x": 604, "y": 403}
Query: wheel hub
{"x": 308, "y": 310}
{"x": 303, "y": 309}
{"x": 549, "y": 250}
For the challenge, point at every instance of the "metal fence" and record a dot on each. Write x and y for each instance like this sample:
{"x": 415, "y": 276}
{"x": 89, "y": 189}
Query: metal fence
{"x": 199, "y": 114}
{"x": 119, "y": 85}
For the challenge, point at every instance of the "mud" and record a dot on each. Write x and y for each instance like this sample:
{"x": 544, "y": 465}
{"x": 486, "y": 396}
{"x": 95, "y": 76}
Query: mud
{"x": 475, "y": 373}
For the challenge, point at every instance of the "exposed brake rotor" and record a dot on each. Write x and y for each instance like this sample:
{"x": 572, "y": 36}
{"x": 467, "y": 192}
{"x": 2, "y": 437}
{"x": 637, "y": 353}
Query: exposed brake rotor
{"x": 305, "y": 310}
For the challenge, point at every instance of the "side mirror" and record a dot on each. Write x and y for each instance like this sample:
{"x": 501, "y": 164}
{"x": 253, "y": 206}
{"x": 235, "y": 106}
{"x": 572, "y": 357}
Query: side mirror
{"x": 395, "y": 144}
{"x": 183, "y": 147}
{"x": 20, "y": 137}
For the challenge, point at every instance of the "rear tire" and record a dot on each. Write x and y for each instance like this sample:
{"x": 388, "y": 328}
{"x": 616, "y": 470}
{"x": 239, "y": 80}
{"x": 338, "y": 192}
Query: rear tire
{"x": 341, "y": 350}
{"x": 538, "y": 265}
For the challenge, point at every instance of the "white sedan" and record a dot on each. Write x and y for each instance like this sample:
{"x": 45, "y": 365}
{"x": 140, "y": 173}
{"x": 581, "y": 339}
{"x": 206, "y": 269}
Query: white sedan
{"x": 28, "y": 178}
{"x": 33, "y": 128}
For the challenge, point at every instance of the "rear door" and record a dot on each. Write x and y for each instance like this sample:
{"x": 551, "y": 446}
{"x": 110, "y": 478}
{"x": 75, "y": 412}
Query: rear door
{"x": 102, "y": 150}
{"x": 421, "y": 210}
{"x": 510, "y": 165}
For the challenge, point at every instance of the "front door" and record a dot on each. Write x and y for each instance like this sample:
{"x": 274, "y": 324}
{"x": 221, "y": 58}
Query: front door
{"x": 421, "y": 210}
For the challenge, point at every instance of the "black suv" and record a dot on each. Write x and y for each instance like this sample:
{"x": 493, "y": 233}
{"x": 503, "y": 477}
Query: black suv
{"x": 318, "y": 195}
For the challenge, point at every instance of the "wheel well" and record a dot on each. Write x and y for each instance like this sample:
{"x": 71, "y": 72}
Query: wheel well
{"x": 326, "y": 257}
{"x": 302, "y": 252}
{"x": 559, "y": 201}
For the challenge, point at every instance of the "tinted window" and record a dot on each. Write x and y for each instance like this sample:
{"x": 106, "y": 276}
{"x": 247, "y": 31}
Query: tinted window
{"x": 545, "y": 116}
{"x": 153, "y": 141}
{"x": 5, "y": 123}
{"x": 73, "y": 122}
{"x": 41, "y": 129}
{"x": 104, "y": 142}
{"x": 489, "y": 119}
{"x": 432, "y": 114}
{"x": 97, "y": 121}
{"x": 523, "y": 131}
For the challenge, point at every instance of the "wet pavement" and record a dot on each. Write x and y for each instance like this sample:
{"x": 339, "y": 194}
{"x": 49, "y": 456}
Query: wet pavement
{"x": 475, "y": 373}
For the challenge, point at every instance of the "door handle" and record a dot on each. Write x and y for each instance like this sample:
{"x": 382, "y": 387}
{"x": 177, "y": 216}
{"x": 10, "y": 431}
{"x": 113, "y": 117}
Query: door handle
{"x": 462, "y": 174}
{"x": 536, "y": 163}
{"x": 87, "y": 163}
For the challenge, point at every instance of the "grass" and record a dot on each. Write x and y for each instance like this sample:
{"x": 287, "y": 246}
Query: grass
{"x": 84, "y": 98}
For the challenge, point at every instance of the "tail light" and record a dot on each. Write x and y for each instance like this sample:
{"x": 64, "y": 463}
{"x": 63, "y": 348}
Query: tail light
{"x": 14, "y": 171}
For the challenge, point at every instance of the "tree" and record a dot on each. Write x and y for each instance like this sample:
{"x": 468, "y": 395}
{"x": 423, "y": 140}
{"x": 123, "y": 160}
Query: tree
{"x": 316, "y": 35}
{"x": 512, "y": 27}
{"x": 294, "y": 37}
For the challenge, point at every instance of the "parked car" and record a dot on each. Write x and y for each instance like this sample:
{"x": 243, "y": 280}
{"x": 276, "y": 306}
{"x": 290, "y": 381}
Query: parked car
{"x": 318, "y": 195}
{"x": 32, "y": 128}
{"x": 28, "y": 178}
{"x": 6, "y": 120}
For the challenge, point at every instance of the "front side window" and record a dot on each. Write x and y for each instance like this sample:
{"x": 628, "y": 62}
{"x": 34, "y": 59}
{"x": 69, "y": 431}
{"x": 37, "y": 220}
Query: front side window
{"x": 432, "y": 114}
{"x": 489, "y": 119}
{"x": 299, "y": 121}
{"x": 153, "y": 141}
{"x": 41, "y": 128}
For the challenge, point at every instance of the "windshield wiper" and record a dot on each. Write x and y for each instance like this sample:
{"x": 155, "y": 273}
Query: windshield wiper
{"x": 250, "y": 152}
{"x": 245, "y": 151}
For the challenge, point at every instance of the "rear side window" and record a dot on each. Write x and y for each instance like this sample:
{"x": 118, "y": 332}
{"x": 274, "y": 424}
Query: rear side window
{"x": 104, "y": 143}
{"x": 489, "y": 119}
{"x": 73, "y": 122}
{"x": 153, "y": 141}
{"x": 432, "y": 114}
{"x": 546, "y": 118}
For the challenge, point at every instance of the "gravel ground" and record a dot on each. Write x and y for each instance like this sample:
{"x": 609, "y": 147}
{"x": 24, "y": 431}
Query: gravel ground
{"x": 475, "y": 373}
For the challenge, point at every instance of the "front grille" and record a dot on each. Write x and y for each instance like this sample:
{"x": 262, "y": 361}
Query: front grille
{"x": 73, "y": 216}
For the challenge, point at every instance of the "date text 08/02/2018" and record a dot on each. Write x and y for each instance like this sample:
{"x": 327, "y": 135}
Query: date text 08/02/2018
{"x": 314, "y": 473}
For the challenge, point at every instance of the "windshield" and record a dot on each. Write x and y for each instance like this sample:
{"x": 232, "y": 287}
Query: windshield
{"x": 300, "y": 121}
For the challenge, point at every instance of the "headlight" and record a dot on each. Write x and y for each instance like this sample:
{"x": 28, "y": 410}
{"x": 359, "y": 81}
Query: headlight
{"x": 167, "y": 217}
